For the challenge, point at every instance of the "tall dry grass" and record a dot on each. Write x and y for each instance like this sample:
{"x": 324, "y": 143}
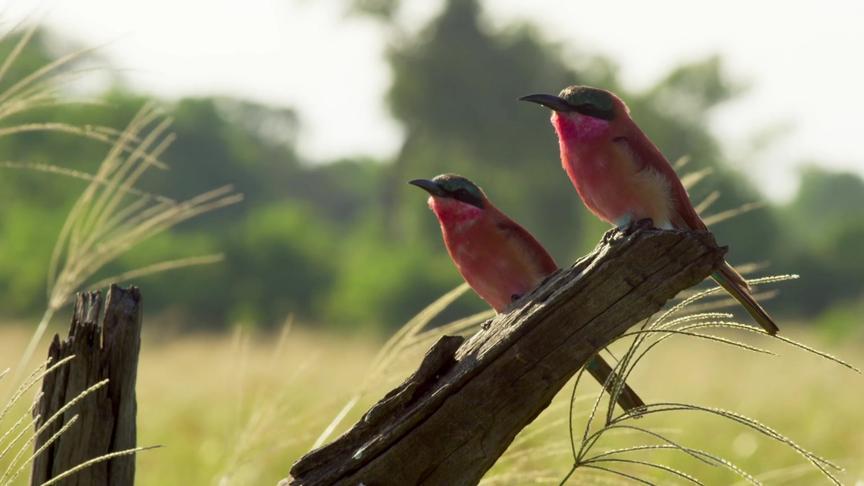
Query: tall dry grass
{"x": 109, "y": 218}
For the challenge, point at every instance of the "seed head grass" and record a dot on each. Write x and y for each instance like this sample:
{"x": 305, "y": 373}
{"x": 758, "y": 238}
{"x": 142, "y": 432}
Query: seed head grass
{"x": 22, "y": 434}
{"x": 111, "y": 217}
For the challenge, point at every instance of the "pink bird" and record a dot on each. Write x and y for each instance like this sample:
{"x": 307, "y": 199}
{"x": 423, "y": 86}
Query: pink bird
{"x": 622, "y": 177}
{"x": 498, "y": 258}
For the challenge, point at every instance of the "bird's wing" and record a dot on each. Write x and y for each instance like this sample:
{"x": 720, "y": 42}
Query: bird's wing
{"x": 529, "y": 245}
{"x": 647, "y": 155}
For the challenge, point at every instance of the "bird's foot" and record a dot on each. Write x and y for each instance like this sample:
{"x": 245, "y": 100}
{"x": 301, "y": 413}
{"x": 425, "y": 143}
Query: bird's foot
{"x": 636, "y": 225}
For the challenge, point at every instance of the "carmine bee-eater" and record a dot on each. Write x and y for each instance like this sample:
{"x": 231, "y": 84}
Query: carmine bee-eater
{"x": 622, "y": 177}
{"x": 498, "y": 258}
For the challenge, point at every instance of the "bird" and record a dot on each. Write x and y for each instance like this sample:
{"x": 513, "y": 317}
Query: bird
{"x": 499, "y": 259}
{"x": 623, "y": 178}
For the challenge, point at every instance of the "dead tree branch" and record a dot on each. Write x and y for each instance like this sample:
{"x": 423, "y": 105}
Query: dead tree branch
{"x": 450, "y": 421}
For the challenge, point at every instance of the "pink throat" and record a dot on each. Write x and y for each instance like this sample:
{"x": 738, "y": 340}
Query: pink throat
{"x": 578, "y": 128}
{"x": 453, "y": 214}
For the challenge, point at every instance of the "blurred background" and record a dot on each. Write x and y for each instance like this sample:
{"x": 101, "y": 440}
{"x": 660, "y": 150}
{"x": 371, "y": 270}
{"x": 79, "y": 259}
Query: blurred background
{"x": 321, "y": 111}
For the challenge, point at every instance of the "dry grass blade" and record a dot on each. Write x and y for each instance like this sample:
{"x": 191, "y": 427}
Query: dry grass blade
{"x": 158, "y": 268}
{"x": 463, "y": 326}
{"x": 667, "y": 442}
{"x": 97, "y": 133}
{"x": 541, "y": 476}
{"x": 690, "y": 179}
{"x": 10, "y": 429}
{"x": 331, "y": 427}
{"x": 783, "y": 475}
{"x": 652, "y": 447}
{"x": 252, "y": 442}
{"x": 39, "y": 451}
{"x": 34, "y": 377}
{"x": 706, "y": 203}
{"x": 731, "y": 213}
{"x": 39, "y": 89}
{"x": 28, "y": 426}
{"x": 819, "y": 462}
{"x": 390, "y": 352}
{"x": 48, "y": 422}
{"x": 19, "y": 47}
{"x": 643, "y": 340}
{"x": 535, "y": 453}
{"x": 412, "y": 328}
{"x": 77, "y": 174}
{"x": 701, "y": 455}
{"x": 709, "y": 337}
{"x": 660, "y": 467}
{"x": 681, "y": 162}
{"x": 613, "y": 471}
{"x": 96, "y": 460}
{"x": 821, "y": 354}
{"x": 112, "y": 216}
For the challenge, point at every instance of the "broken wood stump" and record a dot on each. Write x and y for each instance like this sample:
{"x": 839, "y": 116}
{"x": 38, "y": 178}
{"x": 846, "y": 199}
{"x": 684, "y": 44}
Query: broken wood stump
{"x": 103, "y": 349}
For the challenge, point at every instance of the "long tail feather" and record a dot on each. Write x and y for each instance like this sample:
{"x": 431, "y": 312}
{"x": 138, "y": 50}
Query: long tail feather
{"x": 600, "y": 370}
{"x": 734, "y": 283}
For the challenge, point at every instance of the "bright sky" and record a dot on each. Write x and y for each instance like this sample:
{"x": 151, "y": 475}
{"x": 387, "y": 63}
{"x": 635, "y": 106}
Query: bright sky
{"x": 802, "y": 59}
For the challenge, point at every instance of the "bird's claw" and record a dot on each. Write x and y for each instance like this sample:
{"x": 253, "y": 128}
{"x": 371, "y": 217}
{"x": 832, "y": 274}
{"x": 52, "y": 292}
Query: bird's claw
{"x": 636, "y": 225}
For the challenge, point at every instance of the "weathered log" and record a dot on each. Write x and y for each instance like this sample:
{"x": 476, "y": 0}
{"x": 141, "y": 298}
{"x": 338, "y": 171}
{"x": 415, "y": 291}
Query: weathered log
{"x": 106, "y": 417}
{"x": 449, "y": 422}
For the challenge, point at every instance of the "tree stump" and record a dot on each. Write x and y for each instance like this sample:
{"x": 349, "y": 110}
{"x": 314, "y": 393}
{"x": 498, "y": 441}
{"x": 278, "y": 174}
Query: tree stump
{"x": 449, "y": 422}
{"x": 106, "y": 417}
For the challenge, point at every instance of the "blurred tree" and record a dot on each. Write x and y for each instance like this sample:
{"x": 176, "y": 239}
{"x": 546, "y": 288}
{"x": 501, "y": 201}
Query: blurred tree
{"x": 826, "y": 200}
{"x": 825, "y": 237}
{"x": 349, "y": 242}
{"x": 455, "y": 89}
{"x": 382, "y": 284}
{"x": 224, "y": 141}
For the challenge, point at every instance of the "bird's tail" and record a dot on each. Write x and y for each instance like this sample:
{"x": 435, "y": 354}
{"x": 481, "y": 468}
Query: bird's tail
{"x": 600, "y": 370}
{"x": 734, "y": 283}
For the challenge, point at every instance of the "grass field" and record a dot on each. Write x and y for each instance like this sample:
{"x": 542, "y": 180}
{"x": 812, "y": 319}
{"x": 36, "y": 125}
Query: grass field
{"x": 239, "y": 409}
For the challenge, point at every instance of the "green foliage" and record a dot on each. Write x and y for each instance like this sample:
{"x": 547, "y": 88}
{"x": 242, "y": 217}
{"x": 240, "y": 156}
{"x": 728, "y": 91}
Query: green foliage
{"x": 842, "y": 321}
{"x": 824, "y": 234}
{"x": 383, "y": 284}
{"x": 25, "y": 256}
{"x": 827, "y": 201}
{"x": 279, "y": 260}
{"x": 349, "y": 242}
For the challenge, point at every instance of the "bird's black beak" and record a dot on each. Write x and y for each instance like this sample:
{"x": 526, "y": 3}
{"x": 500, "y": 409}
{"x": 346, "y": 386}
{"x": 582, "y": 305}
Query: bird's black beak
{"x": 549, "y": 101}
{"x": 431, "y": 187}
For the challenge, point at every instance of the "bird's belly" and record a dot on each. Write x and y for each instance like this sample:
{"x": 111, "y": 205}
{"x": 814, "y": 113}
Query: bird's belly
{"x": 619, "y": 195}
{"x": 497, "y": 280}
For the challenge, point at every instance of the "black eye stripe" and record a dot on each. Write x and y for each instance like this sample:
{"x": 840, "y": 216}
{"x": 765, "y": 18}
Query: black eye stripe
{"x": 461, "y": 189}
{"x": 466, "y": 196}
{"x": 590, "y": 101}
{"x": 596, "y": 112}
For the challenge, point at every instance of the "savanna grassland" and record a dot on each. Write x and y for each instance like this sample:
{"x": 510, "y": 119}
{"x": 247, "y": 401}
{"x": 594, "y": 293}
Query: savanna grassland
{"x": 239, "y": 409}
{"x": 347, "y": 244}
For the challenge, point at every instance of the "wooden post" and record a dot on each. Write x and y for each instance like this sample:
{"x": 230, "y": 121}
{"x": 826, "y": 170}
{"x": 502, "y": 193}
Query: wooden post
{"x": 449, "y": 422}
{"x": 106, "y": 418}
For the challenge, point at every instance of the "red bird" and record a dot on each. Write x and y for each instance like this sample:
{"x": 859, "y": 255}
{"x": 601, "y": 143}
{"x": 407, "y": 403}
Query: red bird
{"x": 498, "y": 258}
{"x": 622, "y": 177}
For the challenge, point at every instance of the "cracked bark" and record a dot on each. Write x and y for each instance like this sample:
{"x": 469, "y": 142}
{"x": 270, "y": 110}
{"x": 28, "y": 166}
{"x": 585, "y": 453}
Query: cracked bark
{"x": 450, "y": 421}
{"x": 106, "y": 348}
